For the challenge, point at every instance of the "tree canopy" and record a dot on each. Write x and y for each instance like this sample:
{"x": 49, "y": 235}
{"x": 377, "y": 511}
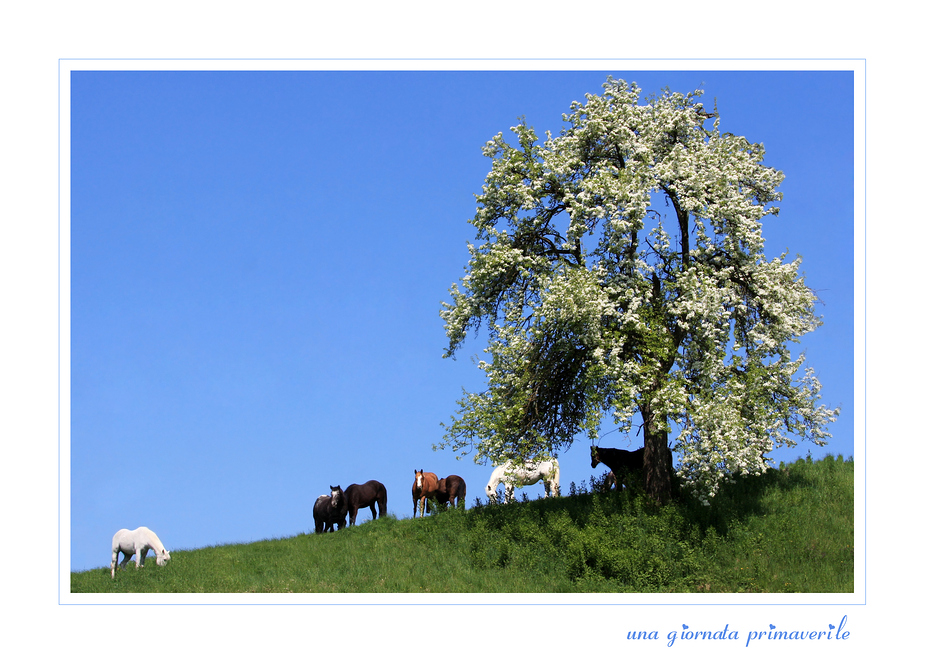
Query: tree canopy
{"x": 619, "y": 271}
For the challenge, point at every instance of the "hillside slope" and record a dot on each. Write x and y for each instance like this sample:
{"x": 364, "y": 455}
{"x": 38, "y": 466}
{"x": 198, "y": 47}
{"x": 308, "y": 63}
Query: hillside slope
{"x": 790, "y": 530}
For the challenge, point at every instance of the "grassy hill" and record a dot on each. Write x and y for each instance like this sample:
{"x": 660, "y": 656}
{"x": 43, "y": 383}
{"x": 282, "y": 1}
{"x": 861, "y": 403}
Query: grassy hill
{"x": 790, "y": 530}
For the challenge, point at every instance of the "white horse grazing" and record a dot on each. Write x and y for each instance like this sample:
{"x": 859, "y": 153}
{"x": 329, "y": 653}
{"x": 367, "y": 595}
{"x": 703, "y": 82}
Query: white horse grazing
{"x": 512, "y": 476}
{"x": 137, "y": 543}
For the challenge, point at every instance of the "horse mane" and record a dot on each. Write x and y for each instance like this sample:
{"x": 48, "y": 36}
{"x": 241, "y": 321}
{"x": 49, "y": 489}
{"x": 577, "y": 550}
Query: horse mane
{"x": 611, "y": 456}
{"x": 153, "y": 540}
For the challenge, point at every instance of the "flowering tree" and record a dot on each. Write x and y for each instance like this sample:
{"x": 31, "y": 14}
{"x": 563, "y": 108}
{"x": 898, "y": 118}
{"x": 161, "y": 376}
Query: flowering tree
{"x": 621, "y": 272}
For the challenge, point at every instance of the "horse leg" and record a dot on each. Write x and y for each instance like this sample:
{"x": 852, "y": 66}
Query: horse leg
{"x": 125, "y": 558}
{"x": 112, "y": 565}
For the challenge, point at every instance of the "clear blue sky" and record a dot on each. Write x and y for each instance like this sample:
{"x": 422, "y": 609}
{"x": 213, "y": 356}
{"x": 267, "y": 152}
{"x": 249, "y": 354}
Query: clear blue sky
{"x": 258, "y": 262}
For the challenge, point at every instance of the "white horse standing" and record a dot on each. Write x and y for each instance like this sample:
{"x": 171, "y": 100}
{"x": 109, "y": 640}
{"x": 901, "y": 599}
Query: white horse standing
{"x": 511, "y": 476}
{"x": 137, "y": 543}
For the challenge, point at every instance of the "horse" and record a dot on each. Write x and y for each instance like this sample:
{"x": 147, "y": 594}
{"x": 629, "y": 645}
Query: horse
{"x": 424, "y": 487}
{"x": 330, "y": 510}
{"x": 620, "y": 462}
{"x": 451, "y": 490}
{"x": 137, "y": 543}
{"x": 531, "y": 472}
{"x": 370, "y": 494}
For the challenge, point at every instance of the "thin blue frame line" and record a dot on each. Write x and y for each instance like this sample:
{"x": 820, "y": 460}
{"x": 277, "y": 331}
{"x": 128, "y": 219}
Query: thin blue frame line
{"x": 864, "y": 386}
{"x": 58, "y": 350}
{"x": 474, "y": 59}
{"x": 861, "y": 61}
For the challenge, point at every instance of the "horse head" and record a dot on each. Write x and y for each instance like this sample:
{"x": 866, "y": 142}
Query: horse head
{"x": 595, "y": 459}
{"x": 337, "y": 496}
{"x": 492, "y": 493}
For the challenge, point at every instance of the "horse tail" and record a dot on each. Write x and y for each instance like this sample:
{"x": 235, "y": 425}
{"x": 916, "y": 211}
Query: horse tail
{"x": 555, "y": 475}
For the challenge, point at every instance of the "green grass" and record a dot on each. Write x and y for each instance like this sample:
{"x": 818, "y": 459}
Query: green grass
{"x": 790, "y": 530}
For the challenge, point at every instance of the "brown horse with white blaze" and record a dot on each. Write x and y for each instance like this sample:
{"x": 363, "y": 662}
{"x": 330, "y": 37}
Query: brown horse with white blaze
{"x": 424, "y": 487}
{"x": 330, "y": 511}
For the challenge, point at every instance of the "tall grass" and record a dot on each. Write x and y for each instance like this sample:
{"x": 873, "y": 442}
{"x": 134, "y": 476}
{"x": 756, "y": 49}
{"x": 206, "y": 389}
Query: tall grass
{"x": 790, "y": 530}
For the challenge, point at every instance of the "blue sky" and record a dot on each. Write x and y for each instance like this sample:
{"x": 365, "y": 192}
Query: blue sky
{"x": 258, "y": 261}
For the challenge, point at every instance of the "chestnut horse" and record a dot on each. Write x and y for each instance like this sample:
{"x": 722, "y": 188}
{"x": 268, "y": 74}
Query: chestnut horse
{"x": 424, "y": 487}
{"x": 369, "y": 495}
{"x": 620, "y": 462}
{"x": 451, "y": 490}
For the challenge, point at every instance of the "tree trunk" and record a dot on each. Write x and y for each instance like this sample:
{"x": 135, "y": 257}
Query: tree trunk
{"x": 656, "y": 457}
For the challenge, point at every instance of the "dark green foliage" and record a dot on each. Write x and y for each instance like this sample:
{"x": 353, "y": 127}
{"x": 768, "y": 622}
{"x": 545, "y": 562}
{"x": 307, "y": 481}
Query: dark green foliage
{"x": 789, "y": 530}
{"x": 599, "y": 542}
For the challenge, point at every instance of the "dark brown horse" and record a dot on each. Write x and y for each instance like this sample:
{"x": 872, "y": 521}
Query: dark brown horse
{"x": 424, "y": 487}
{"x": 451, "y": 490}
{"x": 330, "y": 510}
{"x": 369, "y": 495}
{"x": 620, "y": 462}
